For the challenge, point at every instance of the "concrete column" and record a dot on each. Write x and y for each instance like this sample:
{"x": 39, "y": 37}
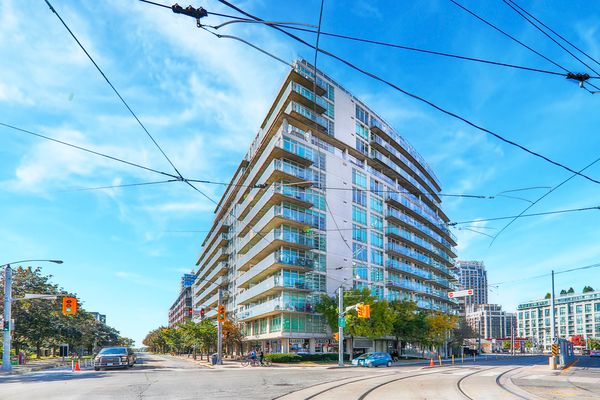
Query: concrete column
{"x": 312, "y": 342}
{"x": 285, "y": 345}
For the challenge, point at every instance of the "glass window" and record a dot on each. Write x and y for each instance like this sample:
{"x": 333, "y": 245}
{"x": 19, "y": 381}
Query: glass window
{"x": 359, "y": 215}
{"x": 362, "y": 131}
{"x": 578, "y": 309}
{"x": 597, "y": 307}
{"x": 377, "y": 257}
{"x": 376, "y": 222}
{"x": 376, "y": 187}
{"x": 359, "y": 197}
{"x": 376, "y": 239}
{"x": 359, "y": 179}
{"x": 376, "y": 204}
{"x": 359, "y": 233}
{"x": 361, "y": 271}
{"x": 361, "y": 114}
{"x": 588, "y": 308}
{"x": 359, "y": 252}
{"x": 362, "y": 146}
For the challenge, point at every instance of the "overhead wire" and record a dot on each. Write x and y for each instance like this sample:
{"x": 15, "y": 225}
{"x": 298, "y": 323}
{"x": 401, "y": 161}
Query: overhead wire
{"x": 112, "y": 87}
{"x": 555, "y": 33}
{"x": 563, "y": 182}
{"x": 417, "y": 97}
{"x": 118, "y": 186}
{"x": 507, "y": 35}
{"x": 551, "y": 38}
{"x": 525, "y": 215}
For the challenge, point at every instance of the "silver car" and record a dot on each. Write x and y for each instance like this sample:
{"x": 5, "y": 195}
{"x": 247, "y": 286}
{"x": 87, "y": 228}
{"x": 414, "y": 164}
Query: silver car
{"x": 114, "y": 357}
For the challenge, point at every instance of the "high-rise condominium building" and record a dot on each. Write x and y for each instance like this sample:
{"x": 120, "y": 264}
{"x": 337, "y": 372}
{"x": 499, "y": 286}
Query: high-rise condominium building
{"x": 472, "y": 275}
{"x": 327, "y": 195}
{"x": 490, "y": 321}
{"x": 575, "y": 315}
{"x": 181, "y": 309}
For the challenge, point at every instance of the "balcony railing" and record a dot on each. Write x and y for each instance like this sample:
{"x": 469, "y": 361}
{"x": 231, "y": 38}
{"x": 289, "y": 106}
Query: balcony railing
{"x": 402, "y": 158}
{"x": 270, "y": 283}
{"x": 404, "y": 144}
{"x": 275, "y": 305}
{"x": 418, "y": 241}
{"x": 392, "y": 212}
{"x": 278, "y": 257}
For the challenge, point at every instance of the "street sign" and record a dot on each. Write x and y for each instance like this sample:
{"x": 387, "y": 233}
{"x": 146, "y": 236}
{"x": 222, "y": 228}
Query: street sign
{"x": 460, "y": 293}
{"x": 342, "y": 322}
{"x": 554, "y": 349}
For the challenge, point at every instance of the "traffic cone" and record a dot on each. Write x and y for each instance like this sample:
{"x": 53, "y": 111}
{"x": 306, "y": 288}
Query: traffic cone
{"x": 431, "y": 364}
{"x": 77, "y": 366}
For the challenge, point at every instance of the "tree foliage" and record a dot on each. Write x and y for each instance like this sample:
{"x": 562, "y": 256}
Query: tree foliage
{"x": 40, "y": 324}
{"x": 587, "y": 289}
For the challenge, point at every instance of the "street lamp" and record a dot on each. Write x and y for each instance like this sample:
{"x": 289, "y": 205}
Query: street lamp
{"x": 6, "y": 366}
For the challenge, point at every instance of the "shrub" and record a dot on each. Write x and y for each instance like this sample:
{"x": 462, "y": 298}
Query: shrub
{"x": 283, "y": 357}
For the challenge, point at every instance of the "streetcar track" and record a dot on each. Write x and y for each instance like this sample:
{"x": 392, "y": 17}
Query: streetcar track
{"x": 325, "y": 383}
{"x": 459, "y": 382}
{"x": 504, "y": 386}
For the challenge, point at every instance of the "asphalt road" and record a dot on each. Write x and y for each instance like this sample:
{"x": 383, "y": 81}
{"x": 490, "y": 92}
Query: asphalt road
{"x": 158, "y": 377}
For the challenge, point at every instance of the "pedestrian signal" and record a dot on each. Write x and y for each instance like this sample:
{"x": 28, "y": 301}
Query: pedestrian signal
{"x": 221, "y": 313}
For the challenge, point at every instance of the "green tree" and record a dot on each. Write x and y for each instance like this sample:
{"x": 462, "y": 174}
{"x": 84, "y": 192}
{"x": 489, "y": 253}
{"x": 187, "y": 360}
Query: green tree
{"x": 232, "y": 336}
{"x": 408, "y": 322}
{"x": 593, "y": 344}
{"x": 548, "y": 295}
{"x": 588, "y": 289}
{"x": 438, "y": 326}
{"x": 563, "y": 292}
{"x": 571, "y": 290}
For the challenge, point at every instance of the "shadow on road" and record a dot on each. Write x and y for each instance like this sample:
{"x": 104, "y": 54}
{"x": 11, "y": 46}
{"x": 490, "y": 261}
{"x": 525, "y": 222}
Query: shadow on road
{"x": 51, "y": 376}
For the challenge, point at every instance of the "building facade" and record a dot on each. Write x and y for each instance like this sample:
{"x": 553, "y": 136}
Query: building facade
{"x": 99, "y": 317}
{"x": 472, "y": 275}
{"x": 181, "y": 310}
{"x": 575, "y": 314}
{"x": 489, "y": 321}
{"x": 327, "y": 195}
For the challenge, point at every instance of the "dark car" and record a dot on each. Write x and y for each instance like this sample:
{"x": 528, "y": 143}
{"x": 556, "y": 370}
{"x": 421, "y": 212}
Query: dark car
{"x": 114, "y": 357}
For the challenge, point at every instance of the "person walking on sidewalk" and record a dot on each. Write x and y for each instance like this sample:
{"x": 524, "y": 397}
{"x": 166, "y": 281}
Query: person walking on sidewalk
{"x": 261, "y": 357}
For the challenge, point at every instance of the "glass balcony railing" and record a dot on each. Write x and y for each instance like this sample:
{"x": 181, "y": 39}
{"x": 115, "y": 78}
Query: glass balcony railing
{"x": 296, "y": 87}
{"x": 391, "y": 229}
{"x": 392, "y": 165}
{"x": 392, "y": 212}
{"x": 305, "y": 112}
{"x": 405, "y": 145}
{"x": 271, "y": 282}
{"x": 276, "y": 304}
{"x": 402, "y": 158}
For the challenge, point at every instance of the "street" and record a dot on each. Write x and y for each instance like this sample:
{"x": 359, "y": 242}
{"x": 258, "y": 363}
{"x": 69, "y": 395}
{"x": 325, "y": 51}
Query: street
{"x": 164, "y": 377}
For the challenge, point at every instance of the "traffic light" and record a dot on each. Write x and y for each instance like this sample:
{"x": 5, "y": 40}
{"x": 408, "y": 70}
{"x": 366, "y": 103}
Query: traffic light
{"x": 190, "y": 311}
{"x": 363, "y": 310}
{"x": 336, "y": 336}
{"x": 221, "y": 314}
{"x": 6, "y": 326}
{"x": 202, "y": 312}
{"x": 69, "y": 305}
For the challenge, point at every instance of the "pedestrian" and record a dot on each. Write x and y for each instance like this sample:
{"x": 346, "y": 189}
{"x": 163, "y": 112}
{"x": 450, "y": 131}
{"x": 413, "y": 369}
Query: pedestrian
{"x": 261, "y": 357}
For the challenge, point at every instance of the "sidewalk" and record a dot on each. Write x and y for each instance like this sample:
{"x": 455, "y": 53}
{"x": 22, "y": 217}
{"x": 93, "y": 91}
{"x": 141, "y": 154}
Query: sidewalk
{"x": 37, "y": 366}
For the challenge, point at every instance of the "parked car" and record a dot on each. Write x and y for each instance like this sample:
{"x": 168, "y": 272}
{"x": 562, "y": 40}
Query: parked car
{"x": 114, "y": 357}
{"x": 594, "y": 353}
{"x": 373, "y": 360}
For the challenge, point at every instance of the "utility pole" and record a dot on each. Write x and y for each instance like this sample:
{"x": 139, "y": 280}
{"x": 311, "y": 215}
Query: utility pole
{"x": 6, "y": 366}
{"x": 340, "y": 327}
{"x": 219, "y": 332}
{"x": 552, "y": 316}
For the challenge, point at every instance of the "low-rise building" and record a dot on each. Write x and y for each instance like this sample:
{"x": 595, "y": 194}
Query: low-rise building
{"x": 490, "y": 321}
{"x": 99, "y": 317}
{"x": 181, "y": 310}
{"x": 575, "y": 314}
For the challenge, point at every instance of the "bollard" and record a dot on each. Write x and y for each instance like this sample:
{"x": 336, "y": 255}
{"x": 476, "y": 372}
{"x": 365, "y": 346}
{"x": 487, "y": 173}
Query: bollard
{"x": 440, "y": 360}
{"x": 473, "y": 357}
{"x": 452, "y": 359}
{"x": 72, "y": 365}
{"x": 462, "y": 357}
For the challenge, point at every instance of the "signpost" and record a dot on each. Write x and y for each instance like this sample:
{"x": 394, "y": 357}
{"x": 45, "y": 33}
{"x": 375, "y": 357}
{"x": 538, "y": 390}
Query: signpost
{"x": 460, "y": 293}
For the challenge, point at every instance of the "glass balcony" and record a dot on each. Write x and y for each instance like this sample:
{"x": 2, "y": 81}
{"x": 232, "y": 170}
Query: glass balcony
{"x": 393, "y": 230}
{"x": 400, "y": 171}
{"x": 404, "y": 144}
{"x": 392, "y": 212}
{"x": 273, "y": 261}
{"x": 401, "y": 157}
{"x": 273, "y": 306}
{"x": 267, "y": 285}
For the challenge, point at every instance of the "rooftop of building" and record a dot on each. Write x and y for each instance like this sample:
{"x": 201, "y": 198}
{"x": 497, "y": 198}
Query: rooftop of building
{"x": 560, "y": 299}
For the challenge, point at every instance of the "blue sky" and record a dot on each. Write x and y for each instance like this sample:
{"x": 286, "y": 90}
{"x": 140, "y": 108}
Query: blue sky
{"x": 203, "y": 99}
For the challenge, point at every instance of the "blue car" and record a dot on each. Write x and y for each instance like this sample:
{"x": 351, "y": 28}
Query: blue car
{"x": 373, "y": 360}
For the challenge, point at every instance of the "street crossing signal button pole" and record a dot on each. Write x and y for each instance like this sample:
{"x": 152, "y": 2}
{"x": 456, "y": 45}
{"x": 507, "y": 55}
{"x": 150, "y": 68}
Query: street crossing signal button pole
{"x": 69, "y": 305}
{"x": 221, "y": 313}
